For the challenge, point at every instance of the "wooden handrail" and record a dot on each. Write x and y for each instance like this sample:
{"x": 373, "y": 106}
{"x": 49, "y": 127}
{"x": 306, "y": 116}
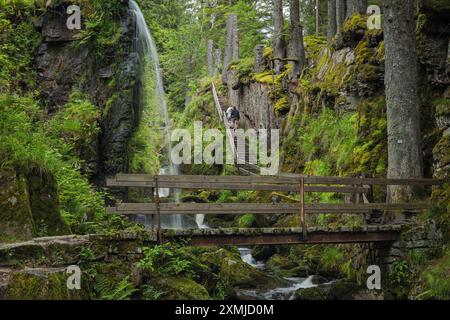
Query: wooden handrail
{"x": 144, "y": 180}
{"x": 255, "y": 208}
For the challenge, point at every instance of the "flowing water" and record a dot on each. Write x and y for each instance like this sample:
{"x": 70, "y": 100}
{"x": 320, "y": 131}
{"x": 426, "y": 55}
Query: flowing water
{"x": 283, "y": 293}
{"x": 147, "y": 48}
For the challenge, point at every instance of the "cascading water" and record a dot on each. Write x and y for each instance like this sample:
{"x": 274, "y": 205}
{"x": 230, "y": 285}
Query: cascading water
{"x": 147, "y": 49}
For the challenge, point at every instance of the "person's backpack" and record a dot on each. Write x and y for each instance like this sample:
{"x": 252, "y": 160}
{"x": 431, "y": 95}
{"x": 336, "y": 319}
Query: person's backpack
{"x": 235, "y": 114}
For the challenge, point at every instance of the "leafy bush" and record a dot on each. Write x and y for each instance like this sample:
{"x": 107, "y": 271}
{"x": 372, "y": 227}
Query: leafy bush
{"x": 108, "y": 290}
{"x": 437, "y": 280}
{"x": 77, "y": 123}
{"x": 26, "y": 146}
{"x": 18, "y": 43}
{"x": 166, "y": 259}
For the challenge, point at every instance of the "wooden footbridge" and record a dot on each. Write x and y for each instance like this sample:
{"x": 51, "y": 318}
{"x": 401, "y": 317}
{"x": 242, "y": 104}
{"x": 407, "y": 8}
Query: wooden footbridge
{"x": 361, "y": 188}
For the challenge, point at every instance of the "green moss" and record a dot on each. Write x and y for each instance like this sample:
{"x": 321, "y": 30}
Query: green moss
{"x": 370, "y": 155}
{"x": 41, "y": 285}
{"x": 282, "y": 106}
{"x": 308, "y": 294}
{"x": 380, "y": 53}
{"x": 179, "y": 288}
{"x": 363, "y": 54}
{"x": 247, "y": 221}
{"x": 354, "y": 23}
{"x": 19, "y": 41}
{"x": 268, "y": 53}
{"x": 244, "y": 69}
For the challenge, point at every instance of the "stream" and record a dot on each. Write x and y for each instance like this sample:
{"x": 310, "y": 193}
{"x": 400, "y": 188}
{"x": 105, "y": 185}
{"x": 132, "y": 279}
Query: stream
{"x": 284, "y": 293}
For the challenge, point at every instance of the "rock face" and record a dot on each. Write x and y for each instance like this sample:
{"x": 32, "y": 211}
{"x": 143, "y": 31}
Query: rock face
{"x": 257, "y": 107}
{"x": 110, "y": 81}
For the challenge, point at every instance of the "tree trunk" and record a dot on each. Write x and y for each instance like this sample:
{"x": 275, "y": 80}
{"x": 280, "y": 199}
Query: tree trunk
{"x": 259, "y": 58}
{"x": 228, "y": 46}
{"x": 403, "y": 115}
{"x": 235, "y": 39}
{"x": 210, "y": 57}
{"x": 317, "y": 17}
{"x": 331, "y": 20}
{"x": 340, "y": 18}
{"x": 352, "y": 8}
{"x": 218, "y": 61}
{"x": 298, "y": 48}
{"x": 278, "y": 37}
{"x": 363, "y": 5}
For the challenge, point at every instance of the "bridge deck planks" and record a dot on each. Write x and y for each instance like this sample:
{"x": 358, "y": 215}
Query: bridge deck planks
{"x": 282, "y": 236}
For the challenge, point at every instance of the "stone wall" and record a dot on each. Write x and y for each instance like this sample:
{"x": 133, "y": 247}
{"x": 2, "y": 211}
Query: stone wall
{"x": 418, "y": 239}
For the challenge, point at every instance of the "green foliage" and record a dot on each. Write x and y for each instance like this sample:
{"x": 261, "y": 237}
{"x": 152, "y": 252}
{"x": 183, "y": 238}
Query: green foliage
{"x": 400, "y": 273}
{"x": 77, "y": 123}
{"x": 244, "y": 69}
{"x": 355, "y": 23}
{"x": 437, "y": 280}
{"x": 18, "y": 43}
{"x": 102, "y": 29}
{"x": 326, "y": 143}
{"x": 107, "y": 289}
{"x": 27, "y": 146}
{"x": 166, "y": 259}
{"x": 247, "y": 221}
{"x": 370, "y": 155}
{"x": 149, "y": 292}
{"x": 331, "y": 257}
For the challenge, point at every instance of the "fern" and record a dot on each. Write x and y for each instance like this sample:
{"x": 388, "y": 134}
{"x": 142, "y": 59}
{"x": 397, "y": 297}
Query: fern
{"x": 107, "y": 290}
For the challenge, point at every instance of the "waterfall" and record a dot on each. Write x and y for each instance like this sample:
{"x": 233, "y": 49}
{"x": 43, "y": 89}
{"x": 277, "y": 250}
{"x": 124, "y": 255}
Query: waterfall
{"x": 147, "y": 48}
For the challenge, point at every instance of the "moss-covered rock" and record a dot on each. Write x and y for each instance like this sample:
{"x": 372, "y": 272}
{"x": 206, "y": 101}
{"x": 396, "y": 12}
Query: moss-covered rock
{"x": 44, "y": 202}
{"x": 180, "y": 288}
{"x": 442, "y": 158}
{"x": 314, "y": 294}
{"x": 236, "y": 273}
{"x": 16, "y": 220}
{"x": 42, "y": 284}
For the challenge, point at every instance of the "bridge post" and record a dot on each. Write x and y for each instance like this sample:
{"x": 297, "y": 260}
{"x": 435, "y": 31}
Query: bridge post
{"x": 302, "y": 209}
{"x": 158, "y": 211}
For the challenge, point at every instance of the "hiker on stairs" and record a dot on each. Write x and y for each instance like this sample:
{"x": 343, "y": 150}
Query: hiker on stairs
{"x": 233, "y": 117}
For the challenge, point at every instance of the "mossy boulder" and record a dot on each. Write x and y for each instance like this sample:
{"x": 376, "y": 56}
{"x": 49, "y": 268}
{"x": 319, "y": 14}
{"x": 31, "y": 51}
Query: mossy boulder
{"x": 236, "y": 273}
{"x": 354, "y": 29}
{"x": 279, "y": 262}
{"x": 16, "y": 220}
{"x": 44, "y": 201}
{"x": 341, "y": 290}
{"x": 42, "y": 284}
{"x": 442, "y": 158}
{"x": 338, "y": 290}
{"x": 29, "y": 206}
{"x": 313, "y": 294}
{"x": 180, "y": 288}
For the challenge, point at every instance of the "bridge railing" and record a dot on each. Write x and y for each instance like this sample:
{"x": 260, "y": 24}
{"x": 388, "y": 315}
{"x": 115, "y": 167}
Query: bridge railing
{"x": 298, "y": 184}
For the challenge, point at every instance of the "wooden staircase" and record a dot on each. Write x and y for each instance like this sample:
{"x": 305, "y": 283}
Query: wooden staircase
{"x": 243, "y": 163}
